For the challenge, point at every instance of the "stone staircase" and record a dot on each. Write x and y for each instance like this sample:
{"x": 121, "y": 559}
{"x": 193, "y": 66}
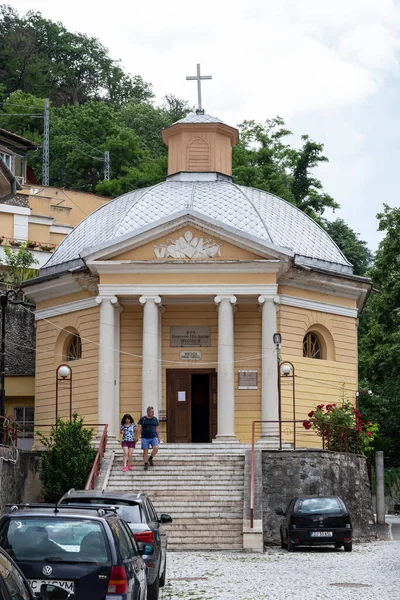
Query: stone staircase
{"x": 201, "y": 486}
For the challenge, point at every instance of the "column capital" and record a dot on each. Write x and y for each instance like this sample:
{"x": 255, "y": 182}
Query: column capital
{"x": 156, "y": 299}
{"x": 275, "y": 299}
{"x": 219, "y": 299}
{"x": 112, "y": 299}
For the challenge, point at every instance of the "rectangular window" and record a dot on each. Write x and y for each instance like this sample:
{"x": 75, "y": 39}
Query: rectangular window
{"x": 36, "y": 539}
{"x": 24, "y": 416}
{"x": 312, "y": 506}
{"x": 6, "y": 158}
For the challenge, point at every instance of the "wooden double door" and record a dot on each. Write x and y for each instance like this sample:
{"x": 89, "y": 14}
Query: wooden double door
{"x": 191, "y": 405}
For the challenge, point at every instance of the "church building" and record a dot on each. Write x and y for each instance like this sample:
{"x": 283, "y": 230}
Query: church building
{"x": 170, "y": 296}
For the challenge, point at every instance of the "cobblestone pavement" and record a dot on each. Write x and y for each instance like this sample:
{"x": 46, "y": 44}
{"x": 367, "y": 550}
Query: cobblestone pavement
{"x": 370, "y": 572}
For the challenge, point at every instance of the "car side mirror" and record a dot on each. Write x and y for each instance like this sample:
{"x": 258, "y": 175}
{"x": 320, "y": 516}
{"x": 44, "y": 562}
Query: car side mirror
{"x": 165, "y": 518}
{"x": 280, "y": 512}
{"x": 53, "y": 592}
{"x": 147, "y": 549}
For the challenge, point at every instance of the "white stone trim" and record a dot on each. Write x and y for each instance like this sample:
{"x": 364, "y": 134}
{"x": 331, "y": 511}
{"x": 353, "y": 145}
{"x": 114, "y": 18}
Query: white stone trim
{"x": 325, "y": 307}
{"x": 54, "y": 287}
{"x": 15, "y": 210}
{"x": 63, "y": 309}
{"x": 21, "y": 227}
{"x": 216, "y": 266}
{"x": 215, "y": 289}
{"x": 65, "y": 229}
{"x": 39, "y": 220}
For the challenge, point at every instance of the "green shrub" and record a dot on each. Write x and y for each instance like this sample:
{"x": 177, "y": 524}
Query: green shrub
{"x": 68, "y": 458}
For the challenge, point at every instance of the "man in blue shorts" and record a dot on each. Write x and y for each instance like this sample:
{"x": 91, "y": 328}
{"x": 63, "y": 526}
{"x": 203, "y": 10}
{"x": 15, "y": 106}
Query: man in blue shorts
{"x": 149, "y": 429}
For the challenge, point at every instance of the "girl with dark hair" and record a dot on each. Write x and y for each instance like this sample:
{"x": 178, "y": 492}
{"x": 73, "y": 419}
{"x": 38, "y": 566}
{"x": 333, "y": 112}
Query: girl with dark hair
{"x": 128, "y": 440}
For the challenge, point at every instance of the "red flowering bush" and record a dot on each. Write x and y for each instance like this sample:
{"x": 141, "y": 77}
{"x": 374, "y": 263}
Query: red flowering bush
{"x": 342, "y": 427}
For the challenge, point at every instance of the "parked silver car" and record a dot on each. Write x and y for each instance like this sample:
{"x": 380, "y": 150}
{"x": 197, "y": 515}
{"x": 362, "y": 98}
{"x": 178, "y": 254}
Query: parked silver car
{"x": 138, "y": 511}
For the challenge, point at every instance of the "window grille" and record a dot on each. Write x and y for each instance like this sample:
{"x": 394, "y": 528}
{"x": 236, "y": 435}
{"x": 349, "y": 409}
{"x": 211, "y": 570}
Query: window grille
{"x": 311, "y": 346}
{"x": 74, "y": 351}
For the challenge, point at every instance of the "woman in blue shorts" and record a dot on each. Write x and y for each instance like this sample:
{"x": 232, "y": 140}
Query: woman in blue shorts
{"x": 128, "y": 440}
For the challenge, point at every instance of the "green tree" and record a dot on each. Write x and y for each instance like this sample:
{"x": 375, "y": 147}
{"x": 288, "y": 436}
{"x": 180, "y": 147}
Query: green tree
{"x": 263, "y": 159}
{"x": 68, "y": 459}
{"x": 354, "y": 249}
{"x": 43, "y": 58}
{"x": 20, "y": 265}
{"x": 379, "y": 346}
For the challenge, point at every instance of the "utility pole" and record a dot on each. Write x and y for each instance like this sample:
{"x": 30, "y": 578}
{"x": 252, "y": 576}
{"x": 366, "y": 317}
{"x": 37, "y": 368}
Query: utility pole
{"x": 106, "y": 166}
{"x": 46, "y": 143}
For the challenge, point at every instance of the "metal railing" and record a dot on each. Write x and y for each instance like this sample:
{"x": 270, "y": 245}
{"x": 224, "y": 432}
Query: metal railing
{"x": 333, "y": 438}
{"x": 94, "y": 473}
{"x": 8, "y": 431}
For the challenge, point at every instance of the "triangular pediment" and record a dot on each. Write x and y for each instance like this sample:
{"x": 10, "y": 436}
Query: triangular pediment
{"x": 185, "y": 237}
{"x": 187, "y": 243}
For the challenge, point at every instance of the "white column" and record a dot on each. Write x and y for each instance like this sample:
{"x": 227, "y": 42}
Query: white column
{"x": 226, "y": 368}
{"x": 107, "y": 362}
{"x": 150, "y": 359}
{"x": 117, "y": 365}
{"x": 269, "y": 391}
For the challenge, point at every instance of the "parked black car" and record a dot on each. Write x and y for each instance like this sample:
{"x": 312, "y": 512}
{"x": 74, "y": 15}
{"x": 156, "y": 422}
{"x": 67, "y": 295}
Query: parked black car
{"x": 316, "y": 520}
{"x": 138, "y": 511}
{"x": 87, "y": 552}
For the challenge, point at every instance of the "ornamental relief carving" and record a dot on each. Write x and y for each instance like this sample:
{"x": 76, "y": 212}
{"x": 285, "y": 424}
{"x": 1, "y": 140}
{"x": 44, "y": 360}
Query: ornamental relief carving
{"x": 187, "y": 246}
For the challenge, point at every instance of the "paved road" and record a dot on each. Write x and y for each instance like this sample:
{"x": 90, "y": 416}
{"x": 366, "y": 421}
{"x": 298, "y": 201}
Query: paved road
{"x": 371, "y": 571}
{"x": 395, "y": 527}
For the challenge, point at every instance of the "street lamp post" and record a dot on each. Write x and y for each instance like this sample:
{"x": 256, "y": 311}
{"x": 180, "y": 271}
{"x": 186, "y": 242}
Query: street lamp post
{"x": 10, "y": 297}
{"x": 64, "y": 372}
{"x": 286, "y": 368}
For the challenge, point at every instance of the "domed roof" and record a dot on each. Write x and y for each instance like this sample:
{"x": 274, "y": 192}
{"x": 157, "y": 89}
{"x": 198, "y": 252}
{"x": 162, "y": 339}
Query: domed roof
{"x": 257, "y": 214}
{"x": 198, "y": 117}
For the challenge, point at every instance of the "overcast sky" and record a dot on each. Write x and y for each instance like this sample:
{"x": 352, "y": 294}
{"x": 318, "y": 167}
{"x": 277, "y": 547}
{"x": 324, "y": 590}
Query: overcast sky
{"x": 330, "y": 68}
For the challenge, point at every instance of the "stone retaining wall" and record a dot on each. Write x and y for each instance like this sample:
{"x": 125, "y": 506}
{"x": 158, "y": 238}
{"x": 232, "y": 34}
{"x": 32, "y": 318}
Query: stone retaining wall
{"x": 19, "y": 477}
{"x": 308, "y": 472}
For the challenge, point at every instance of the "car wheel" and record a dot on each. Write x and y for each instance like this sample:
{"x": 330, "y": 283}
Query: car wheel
{"x": 153, "y": 589}
{"x": 163, "y": 577}
{"x": 290, "y": 546}
{"x": 348, "y": 547}
{"x": 283, "y": 545}
{"x": 338, "y": 545}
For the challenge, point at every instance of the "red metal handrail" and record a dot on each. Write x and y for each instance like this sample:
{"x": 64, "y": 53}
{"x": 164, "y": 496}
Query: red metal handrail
{"x": 94, "y": 473}
{"x": 325, "y": 438}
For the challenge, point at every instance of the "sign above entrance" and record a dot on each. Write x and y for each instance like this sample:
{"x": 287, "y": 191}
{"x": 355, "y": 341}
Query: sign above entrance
{"x": 187, "y": 247}
{"x": 191, "y": 355}
{"x": 248, "y": 380}
{"x": 186, "y": 337}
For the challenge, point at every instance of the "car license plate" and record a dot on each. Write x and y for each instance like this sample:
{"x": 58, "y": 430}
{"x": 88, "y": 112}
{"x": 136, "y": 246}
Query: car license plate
{"x": 36, "y": 584}
{"x": 321, "y": 533}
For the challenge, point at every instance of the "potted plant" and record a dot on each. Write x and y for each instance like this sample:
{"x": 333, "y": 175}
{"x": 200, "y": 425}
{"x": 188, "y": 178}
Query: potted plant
{"x": 31, "y": 245}
{"x": 15, "y": 243}
{"x": 46, "y": 248}
{"x": 1, "y": 239}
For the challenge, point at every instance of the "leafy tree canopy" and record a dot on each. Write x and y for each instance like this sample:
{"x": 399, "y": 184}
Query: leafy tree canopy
{"x": 354, "y": 249}
{"x": 265, "y": 160}
{"x": 379, "y": 330}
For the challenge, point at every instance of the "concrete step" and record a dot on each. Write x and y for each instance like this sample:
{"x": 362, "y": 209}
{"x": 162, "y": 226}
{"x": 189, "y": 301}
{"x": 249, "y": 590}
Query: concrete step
{"x": 223, "y": 523}
{"x": 204, "y": 546}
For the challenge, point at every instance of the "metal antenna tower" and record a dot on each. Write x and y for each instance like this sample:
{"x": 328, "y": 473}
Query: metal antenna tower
{"x": 46, "y": 143}
{"x": 106, "y": 165}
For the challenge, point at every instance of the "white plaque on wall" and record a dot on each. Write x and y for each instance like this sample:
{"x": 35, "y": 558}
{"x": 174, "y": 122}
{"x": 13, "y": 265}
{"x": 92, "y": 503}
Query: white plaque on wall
{"x": 248, "y": 380}
{"x": 191, "y": 355}
{"x": 185, "y": 337}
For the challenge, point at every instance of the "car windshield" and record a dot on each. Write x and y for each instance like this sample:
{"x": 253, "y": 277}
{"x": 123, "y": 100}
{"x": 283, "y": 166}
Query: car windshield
{"x": 128, "y": 510}
{"x": 311, "y": 506}
{"x": 54, "y": 539}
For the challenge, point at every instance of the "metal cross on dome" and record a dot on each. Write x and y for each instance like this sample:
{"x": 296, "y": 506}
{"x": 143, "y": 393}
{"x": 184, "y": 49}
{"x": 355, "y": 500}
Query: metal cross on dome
{"x": 199, "y": 79}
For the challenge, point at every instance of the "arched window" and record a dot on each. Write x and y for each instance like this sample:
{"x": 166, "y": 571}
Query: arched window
{"x": 312, "y": 346}
{"x": 74, "y": 348}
